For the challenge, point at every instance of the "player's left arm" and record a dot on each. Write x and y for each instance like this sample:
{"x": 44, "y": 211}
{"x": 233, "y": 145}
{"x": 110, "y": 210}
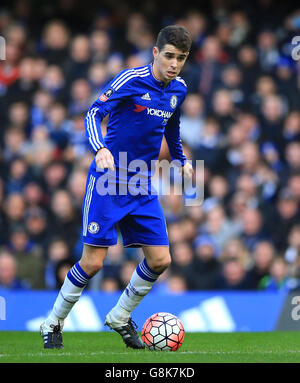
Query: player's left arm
{"x": 172, "y": 135}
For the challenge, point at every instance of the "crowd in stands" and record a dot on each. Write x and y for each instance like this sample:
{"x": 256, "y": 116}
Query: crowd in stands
{"x": 241, "y": 116}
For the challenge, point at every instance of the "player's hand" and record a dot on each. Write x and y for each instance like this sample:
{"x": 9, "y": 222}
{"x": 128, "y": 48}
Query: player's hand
{"x": 104, "y": 159}
{"x": 186, "y": 171}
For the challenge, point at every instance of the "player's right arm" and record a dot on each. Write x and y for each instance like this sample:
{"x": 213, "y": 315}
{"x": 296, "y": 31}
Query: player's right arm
{"x": 113, "y": 94}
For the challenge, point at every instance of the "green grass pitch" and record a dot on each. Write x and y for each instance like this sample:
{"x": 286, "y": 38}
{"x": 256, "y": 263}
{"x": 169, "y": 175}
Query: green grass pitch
{"x": 107, "y": 347}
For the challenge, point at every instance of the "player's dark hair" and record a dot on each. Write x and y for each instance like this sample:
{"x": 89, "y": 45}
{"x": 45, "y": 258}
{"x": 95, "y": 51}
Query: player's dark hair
{"x": 175, "y": 35}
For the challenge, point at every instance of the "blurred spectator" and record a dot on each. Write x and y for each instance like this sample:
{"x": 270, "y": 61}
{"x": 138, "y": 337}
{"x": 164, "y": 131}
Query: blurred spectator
{"x": 278, "y": 278}
{"x": 219, "y": 227}
{"x": 29, "y": 258}
{"x": 196, "y": 24}
{"x": 19, "y": 175}
{"x": 294, "y": 185}
{"x": 57, "y": 253}
{"x": 63, "y": 217}
{"x": 249, "y": 162}
{"x": 233, "y": 276}
{"x": 291, "y": 127}
{"x": 36, "y": 226}
{"x": 58, "y": 125}
{"x": 218, "y": 189}
{"x": 115, "y": 64}
{"x": 253, "y": 230}
{"x": 98, "y": 78}
{"x": 100, "y": 45}
{"x": 293, "y": 246}
{"x": 8, "y": 272}
{"x": 271, "y": 155}
{"x": 273, "y": 112}
{"x": 240, "y": 28}
{"x": 210, "y": 148}
{"x": 292, "y": 155}
{"x": 223, "y": 109}
{"x": 174, "y": 284}
{"x": 18, "y": 116}
{"x": 55, "y": 176}
{"x": 248, "y": 63}
{"x": 192, "y": 120}
{"x": 263, "y": 255}
{"x": 54, "y": 82}
{"x": 172, "y": 204}
{"x": 61, "y": 270}
{"x": 80, "y": 97}
{"x": 42, "y": 101}
{"x": 175, "y": 232}
{"x": 189, "y": 228}
{"x": 234, "y": 248}
{"x": 265, "y": 86}
{"x": 110, "y": 285}
{"x": 126, "y": 271}
{"x": 287, "y": 213}
{"x": 268, "y": 53}
{"x": 249, "y": 122}
{"x": 76, "y": 186}
{"x": 39, "y": 151}
{"x": 14, "y": 209}
{"x": 34, "y": 194}
{"x": 231, "y": 79}
{"x": 55, "y": 39}
{"x": 205, "y": 268}
{"x": 236, "y": 137}
{"x": 24, "y": 87}
{"x": 287, "y": 82}
{"x": 204, "y": 78}
{"x": 182, "y": 257}
{"x": 77, "y": 64}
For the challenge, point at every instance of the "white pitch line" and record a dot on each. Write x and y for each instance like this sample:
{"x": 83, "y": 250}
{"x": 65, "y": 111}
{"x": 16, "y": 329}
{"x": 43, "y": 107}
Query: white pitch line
{"x": 237, "y": 352}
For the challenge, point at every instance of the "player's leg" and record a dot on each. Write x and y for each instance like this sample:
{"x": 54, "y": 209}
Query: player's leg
{"x": 156, "y": 261}
{"x": 145, "y": 226}
{"x": 76, "y": 280}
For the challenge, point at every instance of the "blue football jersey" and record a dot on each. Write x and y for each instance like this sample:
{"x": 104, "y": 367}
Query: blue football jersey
{"x": 141, "y": 110}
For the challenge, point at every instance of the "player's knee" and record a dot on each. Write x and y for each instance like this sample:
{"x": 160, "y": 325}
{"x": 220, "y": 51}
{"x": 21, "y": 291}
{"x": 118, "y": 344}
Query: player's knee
{"x": 161, "y": 264}
{"x": 92, "y": 260}
{"x": 91, "y": 265}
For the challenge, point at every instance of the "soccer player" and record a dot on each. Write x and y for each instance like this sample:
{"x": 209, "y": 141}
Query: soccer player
{"x": 143, "y": 105}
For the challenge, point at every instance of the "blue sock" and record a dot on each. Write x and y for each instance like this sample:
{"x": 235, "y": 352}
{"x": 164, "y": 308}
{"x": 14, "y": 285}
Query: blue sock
{"x": 78, "y": 276}
{"x": 70, "y": 292}
{"x": 140, "y": 284}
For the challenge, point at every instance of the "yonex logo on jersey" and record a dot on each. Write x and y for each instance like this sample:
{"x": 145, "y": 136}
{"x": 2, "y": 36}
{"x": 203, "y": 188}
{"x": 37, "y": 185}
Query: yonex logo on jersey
{"x": 105, "y": 96}
{"x": 93, "y": 227}
{"x": 152, "y": 111}
{"x": 159, "y": 113}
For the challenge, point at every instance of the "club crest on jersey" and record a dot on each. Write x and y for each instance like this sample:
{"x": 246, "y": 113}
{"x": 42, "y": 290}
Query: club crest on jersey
{"x": 105, "y": 96}
{"x": 93, "y": 227}
{"x": 173, "y": 101}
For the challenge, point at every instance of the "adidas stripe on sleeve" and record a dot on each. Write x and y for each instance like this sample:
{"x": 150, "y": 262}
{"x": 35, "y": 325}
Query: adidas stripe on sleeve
{"x": 113, "y": 94}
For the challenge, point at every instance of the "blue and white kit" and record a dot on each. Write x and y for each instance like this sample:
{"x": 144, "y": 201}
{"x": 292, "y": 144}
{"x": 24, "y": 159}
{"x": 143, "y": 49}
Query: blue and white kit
{"x": 141, "y": 110}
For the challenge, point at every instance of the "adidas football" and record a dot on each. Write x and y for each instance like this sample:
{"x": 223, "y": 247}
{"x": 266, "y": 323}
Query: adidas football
{"x": 163, "y": 332}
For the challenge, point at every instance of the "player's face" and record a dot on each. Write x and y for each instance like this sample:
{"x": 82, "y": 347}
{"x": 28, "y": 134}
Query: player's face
{"x": 168, "y": 62}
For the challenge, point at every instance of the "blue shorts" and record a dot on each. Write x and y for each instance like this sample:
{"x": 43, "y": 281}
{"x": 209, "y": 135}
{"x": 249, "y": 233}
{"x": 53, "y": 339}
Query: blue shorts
{"x": 140, "y": 218}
